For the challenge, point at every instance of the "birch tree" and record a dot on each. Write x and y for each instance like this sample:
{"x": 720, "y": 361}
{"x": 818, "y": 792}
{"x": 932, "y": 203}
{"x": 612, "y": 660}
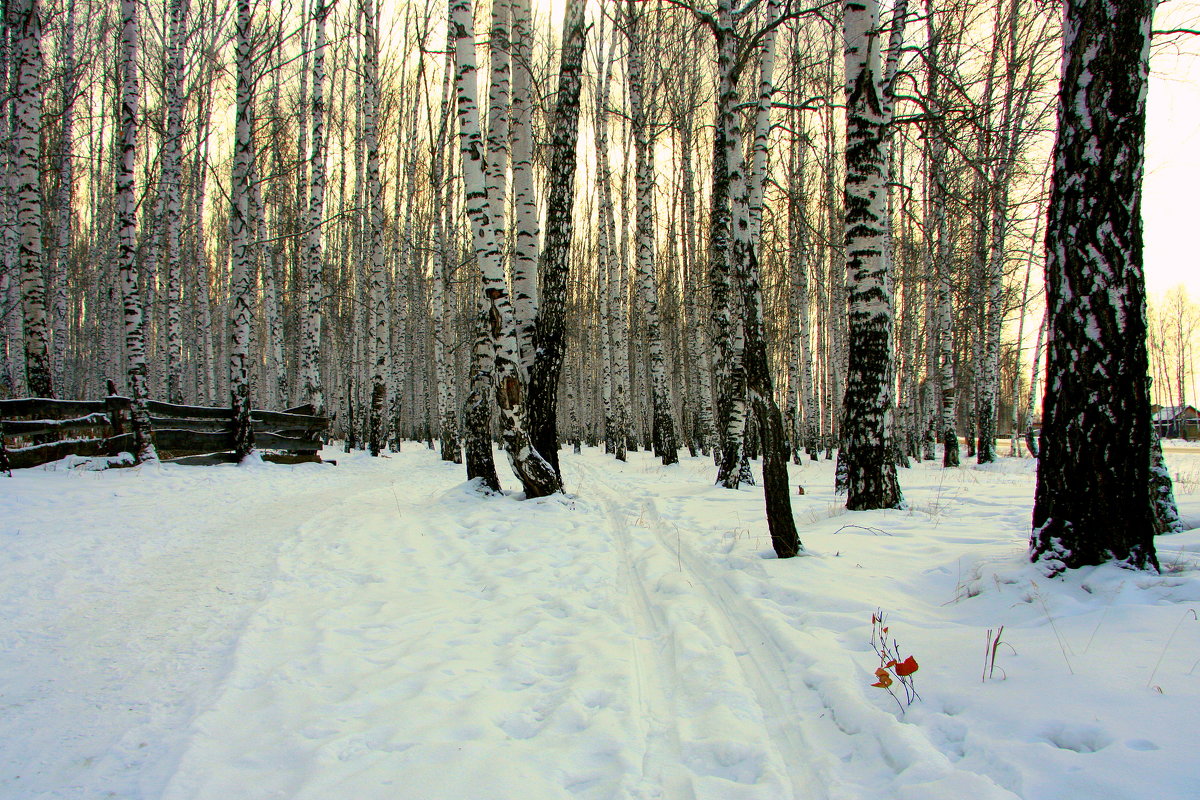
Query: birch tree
{"x": 64, "y": 196}
{"x": 135, "y": 342}
{"x": 537, "y": 476}
{"x": 240, "y": 230}
{"x": 1092, "y": 501}
{"x": 310, "y": 344}
{"x": 554, "y": 266}
{"x": 866, "y": 436}
{"x": 172, "y": 174}
{"x": 380, "y": 336}
{"x": 662, "y": 425}
{"x": 24, "y": 18}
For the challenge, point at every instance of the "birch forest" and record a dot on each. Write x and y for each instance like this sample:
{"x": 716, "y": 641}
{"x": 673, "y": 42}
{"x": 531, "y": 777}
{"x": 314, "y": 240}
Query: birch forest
{"x": 741, "y": 227}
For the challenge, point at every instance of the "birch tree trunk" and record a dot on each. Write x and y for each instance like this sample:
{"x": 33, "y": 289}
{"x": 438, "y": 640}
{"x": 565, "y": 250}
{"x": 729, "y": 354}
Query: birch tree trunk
{"x": 437, "y": 292}
{"x": 310, "y": 334}
{"x": 554, "y": 267}
{"x": 525, "y": 210}
{"x": 612, "y": 301}
{"x": 172, "y": 173}
{"x": 64, "y": 197}
{"x": 535, "y": 473}
{"x": 135, "y": 343}
{"x": 25, "y": 20}
{"x": 666, "y": 446}
{"x": 380, "y": 336}
{"x": 240, "y": 230}
{"x": 1092, "y": 501}
{"x": 870, "y": 470}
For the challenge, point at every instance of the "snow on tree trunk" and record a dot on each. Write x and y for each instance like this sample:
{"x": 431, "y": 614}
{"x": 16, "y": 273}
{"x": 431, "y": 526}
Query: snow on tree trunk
{"x": 25, "y": 19}
{"x": 1092, "y": 502}
{"x": 554, "y": 268}
{"x": 663, "y": 426}
{"x": 1162, "y": 491}
{"x": 868, "y": 401}
{"x": 535, "y": 473}
{"x": 240, "y": 229}
{"x": 135, "y": 343}
{"x": 310, "y": 334}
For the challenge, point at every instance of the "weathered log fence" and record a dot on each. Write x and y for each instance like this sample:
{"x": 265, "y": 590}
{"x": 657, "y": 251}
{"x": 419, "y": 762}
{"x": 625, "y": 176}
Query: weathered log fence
{"x": 37, "y": 430}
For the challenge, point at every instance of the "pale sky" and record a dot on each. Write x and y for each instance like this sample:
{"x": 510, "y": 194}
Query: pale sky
{"x": 1173, "y": 155}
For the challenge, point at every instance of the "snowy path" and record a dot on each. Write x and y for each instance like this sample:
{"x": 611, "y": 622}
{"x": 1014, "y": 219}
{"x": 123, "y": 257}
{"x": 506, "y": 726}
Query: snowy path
{"x": 378, "y": 630}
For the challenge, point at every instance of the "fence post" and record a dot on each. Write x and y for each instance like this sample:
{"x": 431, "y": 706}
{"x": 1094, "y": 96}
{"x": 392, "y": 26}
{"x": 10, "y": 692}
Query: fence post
{"x": 116, "y": 414}
{"x": 4, "y": 465}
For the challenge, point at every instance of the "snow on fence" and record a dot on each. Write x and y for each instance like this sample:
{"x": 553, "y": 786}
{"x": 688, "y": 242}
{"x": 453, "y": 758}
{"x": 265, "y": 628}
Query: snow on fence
{"x": 37, "y": 430}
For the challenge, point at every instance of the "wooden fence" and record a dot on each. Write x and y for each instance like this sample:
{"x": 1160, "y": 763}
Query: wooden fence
{"x": 37, "y": 430}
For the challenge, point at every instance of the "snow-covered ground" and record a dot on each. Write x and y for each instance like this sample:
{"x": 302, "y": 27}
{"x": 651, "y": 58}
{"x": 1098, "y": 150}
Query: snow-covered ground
{"x": 378, "y": 630}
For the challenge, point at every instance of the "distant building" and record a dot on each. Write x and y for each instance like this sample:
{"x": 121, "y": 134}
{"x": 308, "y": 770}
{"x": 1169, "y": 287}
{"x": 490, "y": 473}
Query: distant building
{"x": 1176, "y": 422}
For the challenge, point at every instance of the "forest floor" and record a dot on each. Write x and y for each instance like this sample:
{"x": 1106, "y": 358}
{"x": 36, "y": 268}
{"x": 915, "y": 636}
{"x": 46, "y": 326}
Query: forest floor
{"x": 379, "y": 630}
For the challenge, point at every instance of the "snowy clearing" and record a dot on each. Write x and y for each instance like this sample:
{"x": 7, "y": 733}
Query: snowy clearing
{"x": 378, "y": 630}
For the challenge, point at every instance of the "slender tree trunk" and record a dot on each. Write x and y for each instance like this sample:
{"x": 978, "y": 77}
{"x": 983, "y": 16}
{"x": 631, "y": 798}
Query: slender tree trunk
{"x": 380, "y": 335}
{"x": 550, "y": 343}
{"x": 63, "y": 198}
{"x": 525, "y": 209}
{"x": 310, "y": 334}
{"x": 240, "y": 229}
{"x": 135, "y": 343}
{"x": 666, "y": 446}
{"x": 172, "y": 174}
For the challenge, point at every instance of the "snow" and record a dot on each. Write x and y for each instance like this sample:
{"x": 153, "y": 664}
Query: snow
{"x": 380, "y": 629}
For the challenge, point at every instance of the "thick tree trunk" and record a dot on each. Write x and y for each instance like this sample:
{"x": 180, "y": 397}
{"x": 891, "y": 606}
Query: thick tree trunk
{"x": 1092, "y": 502}
{"x": 867, "y": 437}
{"x": 535, "y": 473}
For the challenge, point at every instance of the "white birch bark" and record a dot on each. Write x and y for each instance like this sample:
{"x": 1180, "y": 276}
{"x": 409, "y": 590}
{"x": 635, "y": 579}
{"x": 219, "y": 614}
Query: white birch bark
{"x": 525, "y": 207}
{"x": 171, "y": 184}
{"x": 64, "y": 196}
{"x": 442, "y": 248}
{"x": 380, "y": 336}
{"x": 537, "y": 476}
{"x": 240, "y": 231}
{"x": 663, "y": 426}
{"x": 135, "y": 344}
{"x": 25, "y": 19}
{"x": 310, "y": 335}
{"x": 870, "y": 470}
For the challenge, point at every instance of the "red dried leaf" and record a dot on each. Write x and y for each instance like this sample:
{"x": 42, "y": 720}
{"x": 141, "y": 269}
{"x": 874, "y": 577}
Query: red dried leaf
{"x": 907, "y": 667}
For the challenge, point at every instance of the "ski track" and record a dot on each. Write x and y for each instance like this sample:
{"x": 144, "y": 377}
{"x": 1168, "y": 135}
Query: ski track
{"x": 832, "y": 744}
{"x": 391, "y": 635}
